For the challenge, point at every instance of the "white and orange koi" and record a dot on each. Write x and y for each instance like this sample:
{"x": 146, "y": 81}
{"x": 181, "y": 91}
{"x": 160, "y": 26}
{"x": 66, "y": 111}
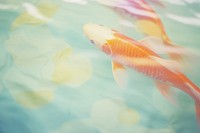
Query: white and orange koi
{"x": 127, "y": 52}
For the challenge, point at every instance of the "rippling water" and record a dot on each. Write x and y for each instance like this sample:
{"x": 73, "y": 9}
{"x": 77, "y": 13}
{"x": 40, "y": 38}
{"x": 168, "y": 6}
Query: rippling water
{"x": 54, "y": 81}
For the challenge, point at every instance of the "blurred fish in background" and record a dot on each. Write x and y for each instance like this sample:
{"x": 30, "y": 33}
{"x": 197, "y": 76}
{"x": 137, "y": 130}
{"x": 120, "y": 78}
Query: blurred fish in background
{"x": 148, "y": 21}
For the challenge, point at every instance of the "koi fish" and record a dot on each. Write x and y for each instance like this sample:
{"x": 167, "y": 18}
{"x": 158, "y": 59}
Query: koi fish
{"x": 148, "y": 21}
{"x": 127, "y": 52}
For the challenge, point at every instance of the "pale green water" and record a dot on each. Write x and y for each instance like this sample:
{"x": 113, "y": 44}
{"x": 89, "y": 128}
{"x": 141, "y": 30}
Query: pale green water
{"x": 54, "y": 81}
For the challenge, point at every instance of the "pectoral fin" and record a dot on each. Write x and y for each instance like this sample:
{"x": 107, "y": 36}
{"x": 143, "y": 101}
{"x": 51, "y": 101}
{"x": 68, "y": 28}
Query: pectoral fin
{"x": 120, "y": 74}
{"x": 166, "y": 92}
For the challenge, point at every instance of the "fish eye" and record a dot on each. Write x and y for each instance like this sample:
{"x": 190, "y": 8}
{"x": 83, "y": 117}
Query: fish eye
{"x": 92, "y": 41}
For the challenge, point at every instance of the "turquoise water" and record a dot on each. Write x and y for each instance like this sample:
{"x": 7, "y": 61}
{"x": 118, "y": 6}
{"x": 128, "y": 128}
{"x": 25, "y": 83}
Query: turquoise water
{"x": 54, "y": 81}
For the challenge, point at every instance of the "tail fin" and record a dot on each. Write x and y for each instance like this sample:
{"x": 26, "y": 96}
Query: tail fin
{"x": 197, "y": 106}
{"x": 197, "y": 103}
{"x": 197, "y": 109}
{"x": 194, "y": 92}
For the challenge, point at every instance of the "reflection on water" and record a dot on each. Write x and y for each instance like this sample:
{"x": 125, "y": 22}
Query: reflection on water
{"x": 54, "y": 80}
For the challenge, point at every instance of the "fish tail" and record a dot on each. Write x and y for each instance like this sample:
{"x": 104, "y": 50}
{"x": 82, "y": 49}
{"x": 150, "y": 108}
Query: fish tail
{"x": 197, "y": 109}
{"x": 194, "y": 91}
{"x": 196, "y": 94}
{"x": 197, "y": 105}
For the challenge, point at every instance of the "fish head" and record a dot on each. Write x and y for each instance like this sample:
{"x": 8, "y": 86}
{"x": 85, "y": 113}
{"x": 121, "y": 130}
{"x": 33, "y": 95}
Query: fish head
{"x": 98, "y": 34}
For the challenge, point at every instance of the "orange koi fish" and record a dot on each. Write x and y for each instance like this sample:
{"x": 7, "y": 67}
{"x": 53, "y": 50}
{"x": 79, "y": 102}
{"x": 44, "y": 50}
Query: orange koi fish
{"x": 127, "y": 52}
{"x": 148, "y": 21}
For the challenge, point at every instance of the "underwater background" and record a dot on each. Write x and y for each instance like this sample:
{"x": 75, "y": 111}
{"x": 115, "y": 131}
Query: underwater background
{"x": 52, "y": 80}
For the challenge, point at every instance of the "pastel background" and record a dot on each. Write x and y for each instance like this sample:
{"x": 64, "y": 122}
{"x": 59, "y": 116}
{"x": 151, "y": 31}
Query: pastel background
{"x": 52, "y": 80}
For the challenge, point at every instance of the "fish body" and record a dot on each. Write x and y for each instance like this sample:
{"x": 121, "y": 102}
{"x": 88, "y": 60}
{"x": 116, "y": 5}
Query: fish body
{"x": 127, "y": 52}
